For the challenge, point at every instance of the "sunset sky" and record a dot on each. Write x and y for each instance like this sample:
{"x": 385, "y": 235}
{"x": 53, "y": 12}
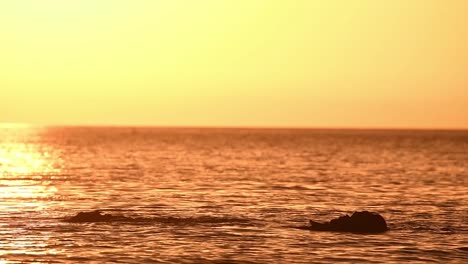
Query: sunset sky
{"x": 293, "y": 63}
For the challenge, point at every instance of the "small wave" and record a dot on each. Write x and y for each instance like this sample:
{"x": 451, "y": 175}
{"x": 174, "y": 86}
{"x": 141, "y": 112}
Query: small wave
{"x": 463, "y": 249}
{"x": 435, "y": 228}
{"x": 199, "y": 220}
{"x": 290, "y": 187}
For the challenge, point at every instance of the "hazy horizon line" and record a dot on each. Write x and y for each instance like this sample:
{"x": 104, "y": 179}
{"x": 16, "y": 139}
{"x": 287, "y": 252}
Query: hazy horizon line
{"x": 253, "y": 127}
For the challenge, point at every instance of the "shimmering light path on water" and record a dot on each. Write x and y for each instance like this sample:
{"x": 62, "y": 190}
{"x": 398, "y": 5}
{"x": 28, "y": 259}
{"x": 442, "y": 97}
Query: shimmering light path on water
{"x": 231, "y": 194}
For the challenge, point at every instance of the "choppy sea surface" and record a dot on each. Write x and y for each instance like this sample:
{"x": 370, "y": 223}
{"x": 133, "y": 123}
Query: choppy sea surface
{"x": 232, "y": 195}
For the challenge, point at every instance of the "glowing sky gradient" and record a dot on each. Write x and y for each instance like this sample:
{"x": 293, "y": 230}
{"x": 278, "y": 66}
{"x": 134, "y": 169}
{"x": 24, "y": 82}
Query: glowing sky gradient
{"x": 361, "y": 63}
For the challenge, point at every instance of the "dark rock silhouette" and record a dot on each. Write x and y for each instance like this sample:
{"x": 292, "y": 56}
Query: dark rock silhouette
{"x": 96, "y": 216}
{"x": 359, "y": 222}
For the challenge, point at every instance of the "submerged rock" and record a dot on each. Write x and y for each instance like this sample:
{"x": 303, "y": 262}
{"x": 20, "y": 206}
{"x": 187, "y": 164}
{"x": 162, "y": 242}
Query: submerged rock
{"x": 99, "y": 216}
{"x": 95, "y": 216}
{"x": 358, "y": 222}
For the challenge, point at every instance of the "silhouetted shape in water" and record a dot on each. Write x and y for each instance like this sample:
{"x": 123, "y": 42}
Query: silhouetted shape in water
{"x": 96, "y": 216}
{"x": 359, "y": 222}
{"x": 99, "y": 216}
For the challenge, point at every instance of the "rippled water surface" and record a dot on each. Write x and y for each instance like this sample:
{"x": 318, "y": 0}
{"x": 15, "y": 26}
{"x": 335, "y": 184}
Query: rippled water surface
{"x": 232, "y": 195}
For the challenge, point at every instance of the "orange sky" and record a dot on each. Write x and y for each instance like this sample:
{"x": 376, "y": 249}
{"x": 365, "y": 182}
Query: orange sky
{"x": 362, "y": 63}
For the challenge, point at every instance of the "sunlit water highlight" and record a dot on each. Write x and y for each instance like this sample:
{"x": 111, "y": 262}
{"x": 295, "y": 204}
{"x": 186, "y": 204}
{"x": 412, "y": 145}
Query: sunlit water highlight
{"x": 232, "y": 195}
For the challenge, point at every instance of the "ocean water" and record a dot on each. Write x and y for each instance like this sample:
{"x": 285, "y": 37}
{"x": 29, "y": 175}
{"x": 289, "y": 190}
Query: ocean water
{"x": 231, "y": 195}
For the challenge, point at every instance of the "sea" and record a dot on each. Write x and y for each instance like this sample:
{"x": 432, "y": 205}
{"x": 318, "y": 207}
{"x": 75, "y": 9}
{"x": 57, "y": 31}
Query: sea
{"x": 231, "y": 195}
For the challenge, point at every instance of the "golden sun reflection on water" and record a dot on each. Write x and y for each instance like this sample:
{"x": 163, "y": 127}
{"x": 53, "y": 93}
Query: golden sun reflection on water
{"x": 24, "y": 153}
{"x": 17, "y": 159}
{"x": 27, "y": 165}
{"x": 23, "y": 190}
